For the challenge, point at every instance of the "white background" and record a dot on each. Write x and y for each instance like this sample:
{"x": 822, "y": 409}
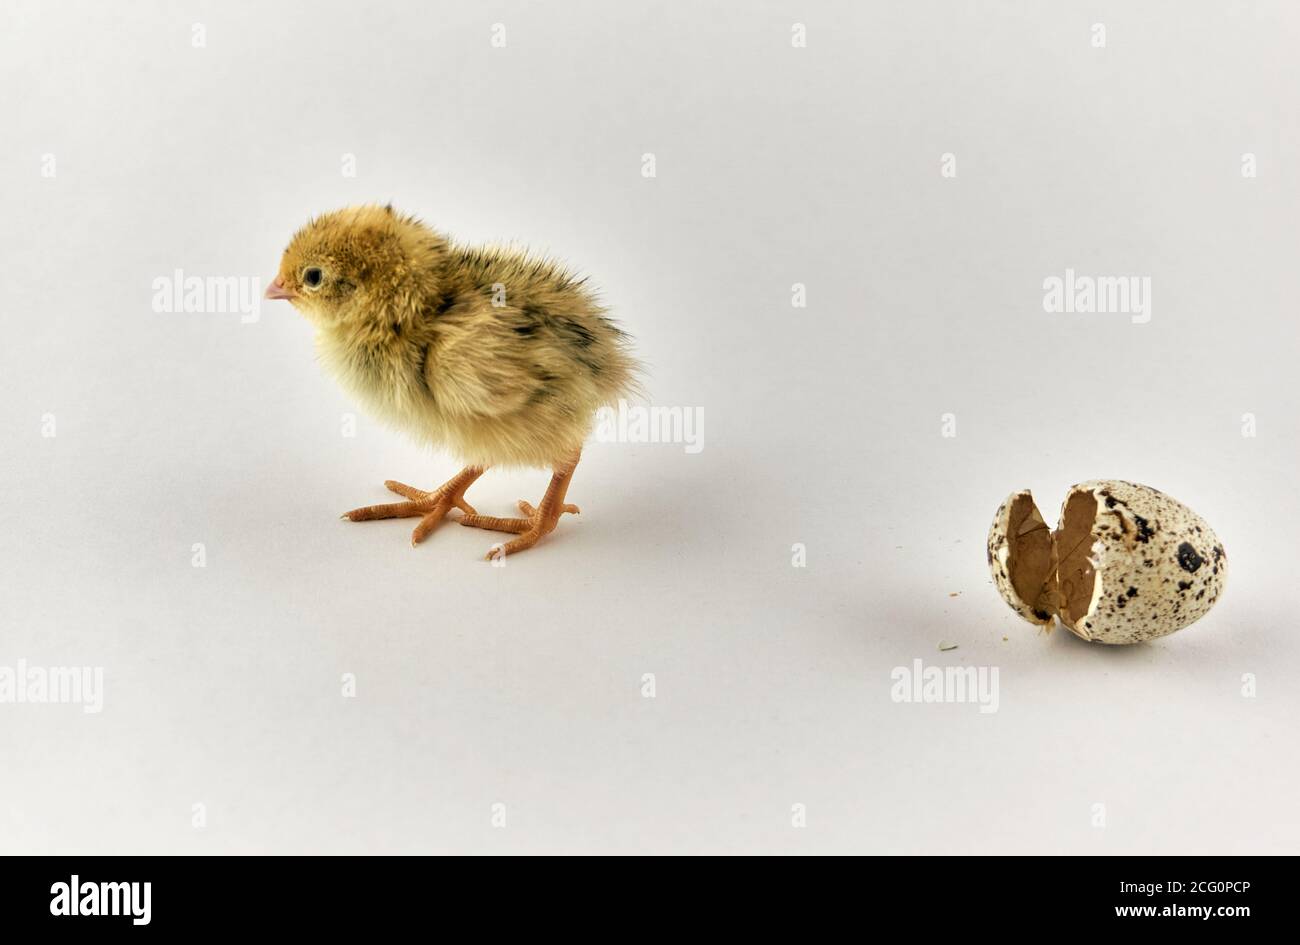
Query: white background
{"x": 522, "y": 685}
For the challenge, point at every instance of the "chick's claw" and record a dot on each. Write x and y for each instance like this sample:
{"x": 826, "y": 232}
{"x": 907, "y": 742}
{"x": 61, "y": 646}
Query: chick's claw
{"x": 533, "y": 531}
{"x": 522, "y": 543}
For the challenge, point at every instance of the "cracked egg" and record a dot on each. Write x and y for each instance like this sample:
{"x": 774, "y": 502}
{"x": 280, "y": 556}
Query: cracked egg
{"x": 1126, "y": 563}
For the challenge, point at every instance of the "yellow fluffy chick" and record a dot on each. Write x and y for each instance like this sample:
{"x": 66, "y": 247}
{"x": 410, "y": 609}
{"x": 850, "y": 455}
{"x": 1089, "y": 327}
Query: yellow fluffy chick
{"x": 500, "y": 357}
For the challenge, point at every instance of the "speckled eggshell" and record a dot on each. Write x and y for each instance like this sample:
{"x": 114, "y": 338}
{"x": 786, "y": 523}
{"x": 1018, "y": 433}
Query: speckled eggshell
{"x": 999, "y": 550}
{"x": 1159, "y": 566}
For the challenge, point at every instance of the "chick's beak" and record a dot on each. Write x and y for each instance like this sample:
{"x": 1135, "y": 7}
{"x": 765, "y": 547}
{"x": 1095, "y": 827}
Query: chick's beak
{"x": 276, "y": 290}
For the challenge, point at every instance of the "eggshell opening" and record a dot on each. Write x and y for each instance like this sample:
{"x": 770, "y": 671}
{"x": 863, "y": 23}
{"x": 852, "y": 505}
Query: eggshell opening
{"x": 1053, "y": 573}
{"x": 1077, "y": 582}
{"x": 1029, "y": 553}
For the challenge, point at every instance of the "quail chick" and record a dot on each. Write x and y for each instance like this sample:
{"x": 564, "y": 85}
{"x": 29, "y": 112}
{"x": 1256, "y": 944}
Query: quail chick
{"x": 498, "y": 356}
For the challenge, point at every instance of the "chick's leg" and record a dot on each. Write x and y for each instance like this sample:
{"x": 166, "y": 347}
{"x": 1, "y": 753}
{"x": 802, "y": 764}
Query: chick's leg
{"x": 431, "y": 507}
{"x": 540, "y": 521}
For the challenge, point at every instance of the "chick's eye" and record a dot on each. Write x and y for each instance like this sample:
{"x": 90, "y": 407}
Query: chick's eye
{"x": 312, "y": 277}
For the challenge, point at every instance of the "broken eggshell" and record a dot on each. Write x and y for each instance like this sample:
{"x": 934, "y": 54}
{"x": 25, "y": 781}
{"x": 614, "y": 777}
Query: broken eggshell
{"x": 1126, "y": 562}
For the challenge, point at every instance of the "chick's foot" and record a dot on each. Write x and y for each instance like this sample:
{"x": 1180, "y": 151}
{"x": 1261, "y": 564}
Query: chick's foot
{"x": 430, "y": 507}
{"x": 539, "y": 522}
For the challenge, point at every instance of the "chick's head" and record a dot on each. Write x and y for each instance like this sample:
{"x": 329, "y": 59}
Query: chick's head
{"x": 358, "y": 263}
